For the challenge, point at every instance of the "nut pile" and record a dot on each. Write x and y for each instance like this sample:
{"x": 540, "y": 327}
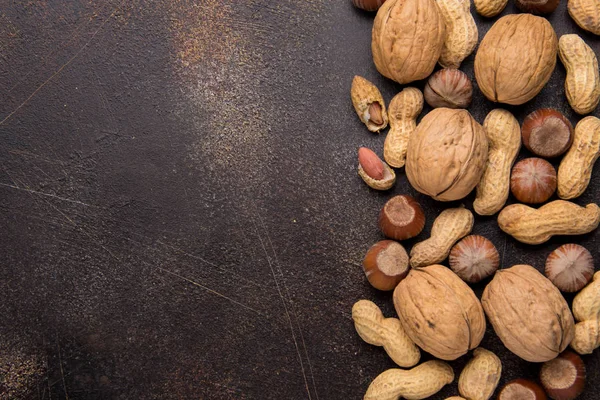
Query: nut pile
{"x": 447, "y": 155}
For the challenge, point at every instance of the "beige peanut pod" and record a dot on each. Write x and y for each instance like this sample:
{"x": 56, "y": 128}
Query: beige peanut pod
{"x": 586, "y": 310}
{"x": 374, "y": 329}
{"x": 389, "y": 178}
{"x": 368, "y": 103}
{"x": 448, "y": 228}
{"x": 586, "y": 13}
{"x": 461, "y": 32}
{"x": 504, "y": 141}
{"x": 403, "y": 111}
{"x": 582, "y": 85}
{"x": 481, "y": 375}
{"x": 418, "y": 383}
{"x": 456, "y": 398}
{"x": 489, "y": 8}
{"x": 575, "y": 169}
{"x": 559, "y": 217}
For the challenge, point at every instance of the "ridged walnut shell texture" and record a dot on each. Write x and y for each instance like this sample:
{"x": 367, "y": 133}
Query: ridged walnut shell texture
{"x": 446, "y": 154}
{"x": 516, "y": 58}
{"x": 407, "y": 39}
{"x": 439, "y": 312}
{"x": 528, "y": 313}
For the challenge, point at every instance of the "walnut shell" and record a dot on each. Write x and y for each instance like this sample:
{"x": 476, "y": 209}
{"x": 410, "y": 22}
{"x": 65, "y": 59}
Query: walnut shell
{"x": 439, "y": 312}
{"x": 407, "y": 39}
{"x": 446, "y": 154}
{"x": 528, "y": 313}
{"x": 516, "y": 58}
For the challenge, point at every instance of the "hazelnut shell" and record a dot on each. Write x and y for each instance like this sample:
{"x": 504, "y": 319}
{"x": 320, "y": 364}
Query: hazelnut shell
{"x": 401, "y": 218}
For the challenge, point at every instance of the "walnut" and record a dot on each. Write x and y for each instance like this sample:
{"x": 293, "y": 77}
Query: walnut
{"x": 528, "y": 313}
{"x": 446, "y": 154}
{"x": 407, "y": 39}
{"x": 516, "y": 58}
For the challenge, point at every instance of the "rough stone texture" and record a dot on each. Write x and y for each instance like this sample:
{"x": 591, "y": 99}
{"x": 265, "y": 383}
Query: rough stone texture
{"x": 181, "y": 214}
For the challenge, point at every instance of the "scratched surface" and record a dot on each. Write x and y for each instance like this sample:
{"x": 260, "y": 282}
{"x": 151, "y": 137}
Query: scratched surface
{"x": 181, "y": 216}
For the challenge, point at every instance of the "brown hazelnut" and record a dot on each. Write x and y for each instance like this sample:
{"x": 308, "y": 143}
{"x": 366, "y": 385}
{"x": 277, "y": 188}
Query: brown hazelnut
{"x": 449, "y": 88}
{"x": 368, "y": 5}
{"x": 537, "y": 6}
{"x": 401, "y": 218}
{"x": 386, "y": 264}
{"x": 570, "y": 267}
{"x": 474, "y": 258}
{"x": 533, "y": 180}
{"x": 564, "y": 377}
{"x": 521, "y": 389}
{"x": 547, "y": 133}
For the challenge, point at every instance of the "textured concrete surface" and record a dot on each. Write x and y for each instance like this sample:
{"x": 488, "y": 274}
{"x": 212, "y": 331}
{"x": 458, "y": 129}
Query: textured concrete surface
{"x": 181, "y": 215}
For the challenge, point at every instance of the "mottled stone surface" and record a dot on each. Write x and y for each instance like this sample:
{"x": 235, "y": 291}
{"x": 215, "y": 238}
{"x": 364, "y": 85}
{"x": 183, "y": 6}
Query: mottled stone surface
{"x": 180, "y": 209}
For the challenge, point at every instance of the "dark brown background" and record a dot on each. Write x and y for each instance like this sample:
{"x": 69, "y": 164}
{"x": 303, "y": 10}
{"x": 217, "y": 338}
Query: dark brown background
{"x": 180, "y": 211}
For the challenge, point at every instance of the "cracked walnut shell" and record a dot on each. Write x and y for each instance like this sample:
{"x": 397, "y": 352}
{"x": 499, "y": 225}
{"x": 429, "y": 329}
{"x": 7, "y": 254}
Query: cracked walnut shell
{"x": 516, "y": 58}
{"x": 407, "y": 39}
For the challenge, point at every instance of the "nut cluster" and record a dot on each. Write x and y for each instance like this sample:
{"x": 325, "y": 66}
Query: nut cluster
{"x": 446, "y": 156}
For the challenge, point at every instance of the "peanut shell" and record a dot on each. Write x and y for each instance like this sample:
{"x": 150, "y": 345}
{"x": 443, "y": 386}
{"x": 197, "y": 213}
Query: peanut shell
{"x": 363, "y": 94}
{"x": 403, "y": 111}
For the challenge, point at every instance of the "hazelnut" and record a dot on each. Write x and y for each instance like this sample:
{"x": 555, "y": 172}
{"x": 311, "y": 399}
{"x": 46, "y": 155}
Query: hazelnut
{"x": 449, "y": 88}
{"x": 401, "y": 218}
{"x": 547, "y": 133}
{"x": 474, "y": 258}
{"x": 564, "y": 377}
{"x": 537, "y": 6}
{"x": 521, "y": 389}
{"x": 570, "y": 267}
{"x": 386, "y": 264}
{"x": 533, "y": 180}
{"x": 368, "y": 5}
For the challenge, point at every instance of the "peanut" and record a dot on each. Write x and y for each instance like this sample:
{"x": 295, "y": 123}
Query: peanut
{"x": 418, "y": 383}
{"x": 449, "y": 227}
{"x": 481, "y": 375}
{"x": 586, "y": 13}
{"x": 403, "y": 111}
{"x": 586, "y": 309}
{"x": 582, "y": 85}
{"x": 368, "y": 103}
{"x": 374, "y": 329}
{"x": 504, "y": 138}
{"x": 461, "y": 32}
{"x": 558, "y": 217}
{"x": 489, "y": 8}
{"x": 456, "y": 398}
{"x": 376, "y": 174}
{"x": 575, "y": 169}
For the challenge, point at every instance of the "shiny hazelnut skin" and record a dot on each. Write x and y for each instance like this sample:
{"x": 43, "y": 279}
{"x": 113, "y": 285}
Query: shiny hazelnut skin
{"x": 474, "y": 258}
{"x": 570, "y": 267}
{"x": 368, "y": 5}
{"x": 537, "y": 6}
{"x": 547, "y": 133}
{"x": 521, "y": 389}
{"x": 401, "y": 218}
{"x": 564, "y": 377}
{"x": 533, "y": 180}
{"x": 449, "y": 88}
{"x": 386, "y": 264}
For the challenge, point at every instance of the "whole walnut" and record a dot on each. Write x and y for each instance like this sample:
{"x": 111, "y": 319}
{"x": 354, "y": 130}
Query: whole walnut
{"x": 439, "y": 312}
{"x": 528, "y": 313}
{"x": 516, "y": 58}
{"x": 407, "y": 39}
{"x": 446, "y": 154}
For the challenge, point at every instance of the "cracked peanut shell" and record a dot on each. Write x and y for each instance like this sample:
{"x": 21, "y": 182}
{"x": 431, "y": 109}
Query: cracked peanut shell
{"x": 446, "y": 154}
{"x": 439, "y": 312}
{"x": 528, "y": 313}
{"x": 516, "y": 58}
{"x": 407, "y": 39}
